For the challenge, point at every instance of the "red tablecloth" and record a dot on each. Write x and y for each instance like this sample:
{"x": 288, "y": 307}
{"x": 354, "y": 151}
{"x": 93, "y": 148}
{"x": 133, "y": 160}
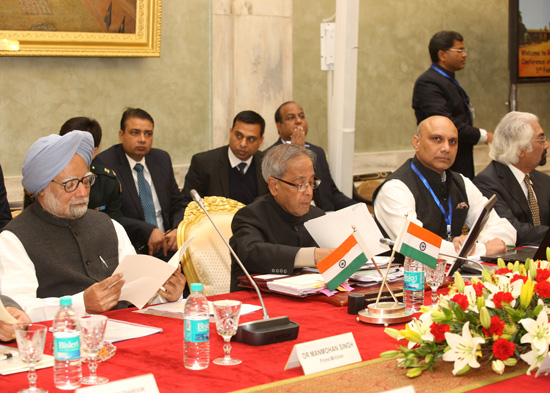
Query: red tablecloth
{"x": 162, "y": 354}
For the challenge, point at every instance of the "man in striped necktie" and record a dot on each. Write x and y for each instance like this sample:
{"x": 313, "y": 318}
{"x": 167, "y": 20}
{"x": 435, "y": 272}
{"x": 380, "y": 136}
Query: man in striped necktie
{"x": 519, "y": 147}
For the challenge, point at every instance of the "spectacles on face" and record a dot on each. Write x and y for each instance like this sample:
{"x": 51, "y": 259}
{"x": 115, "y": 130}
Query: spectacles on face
{"x": 302, "y": 187}
{"x": 458, "y": 50}
{"x": 541, "y": 140}
{"x": 72, "y": 184}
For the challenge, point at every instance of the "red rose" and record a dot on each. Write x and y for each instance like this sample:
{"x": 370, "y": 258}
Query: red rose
{"x": 518, "y": 277}
{"x": 503, "y": 271}
{"x": 543, "y": 289}
{"x": 542, "y": 274}
{"x": 503, "y": 349}
{"x": 461, "y": 300}
{"x": 502, "y": 299}
{"x": 479, "y": 288}
{"x": 438, "y": 330}
{"x": 497, "y": 326}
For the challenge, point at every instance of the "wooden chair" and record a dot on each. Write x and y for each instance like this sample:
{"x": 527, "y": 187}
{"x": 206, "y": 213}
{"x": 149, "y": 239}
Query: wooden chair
{"x": 207, "y": 260}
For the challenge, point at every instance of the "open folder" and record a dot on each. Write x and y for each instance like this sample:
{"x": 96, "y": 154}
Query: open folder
{"x": 144, "y": 275}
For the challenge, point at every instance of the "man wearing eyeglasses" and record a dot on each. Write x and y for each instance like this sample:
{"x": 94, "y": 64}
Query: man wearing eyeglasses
{"x": 269, "y": 234}
{"x": 57, "y": 246}
{"x": 438, "y": 93}
{"x": 152, "y": 205}
{"x": 425, "y": 191}
{"x": 293, "y": 127}
{"x": 518, "y": 148}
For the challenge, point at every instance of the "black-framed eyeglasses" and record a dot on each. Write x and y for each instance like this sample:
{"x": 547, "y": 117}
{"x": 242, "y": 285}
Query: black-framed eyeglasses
{"x": 72, "y": 184}
{"x": 302, "y": 187}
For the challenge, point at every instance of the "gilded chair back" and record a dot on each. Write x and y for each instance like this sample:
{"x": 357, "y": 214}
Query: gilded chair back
{"x": 207, "y": 260}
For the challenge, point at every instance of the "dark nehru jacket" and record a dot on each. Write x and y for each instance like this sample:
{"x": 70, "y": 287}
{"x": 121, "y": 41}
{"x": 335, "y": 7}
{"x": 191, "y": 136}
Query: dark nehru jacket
{"x": 427, "y": 210}
{"x": 267, "y": 238}
{"x": 65, "y": 252}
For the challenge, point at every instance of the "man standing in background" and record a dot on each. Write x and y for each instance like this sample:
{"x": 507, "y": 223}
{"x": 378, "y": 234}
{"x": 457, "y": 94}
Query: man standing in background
{"x": 438, "y": 93}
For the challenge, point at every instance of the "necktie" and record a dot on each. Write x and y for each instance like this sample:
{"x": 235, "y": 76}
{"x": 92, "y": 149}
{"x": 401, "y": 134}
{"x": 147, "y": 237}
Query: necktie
{"x": 533, "y": 205}
{"x": 241, "y": 167}
{"x": 145, "y": 196}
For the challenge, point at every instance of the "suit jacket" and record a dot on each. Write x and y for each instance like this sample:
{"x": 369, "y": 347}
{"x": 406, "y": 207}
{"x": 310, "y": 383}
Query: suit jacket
{"x": 5, "y": 212}
{"x": 171, "y": 201}
{"x": 512, "y": 204}
{"x": 209, "y": 174}
{"x": 435, "y": 94}
{"x": 327, "y": 197}
{"x": 267, "y": 238}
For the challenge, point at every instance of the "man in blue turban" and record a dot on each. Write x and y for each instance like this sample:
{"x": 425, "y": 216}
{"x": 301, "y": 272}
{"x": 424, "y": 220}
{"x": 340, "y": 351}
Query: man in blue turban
{"x": 57, "y": 246}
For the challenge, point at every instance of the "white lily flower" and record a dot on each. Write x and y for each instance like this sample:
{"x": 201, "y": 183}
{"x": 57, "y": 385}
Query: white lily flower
{"x": 463, "y": 349}
{"x": 422, "y": 327}
{"x": 470, "y": 293}
{"x": 504, "y": 285}
{"x": 533, "y": 359}
{"x": 538, "y": 332}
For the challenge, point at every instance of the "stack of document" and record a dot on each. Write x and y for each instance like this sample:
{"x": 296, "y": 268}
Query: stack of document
{"x": 373, "y": 277}
{"x": 301, "y": 285}
{"x": 381, "y": 262}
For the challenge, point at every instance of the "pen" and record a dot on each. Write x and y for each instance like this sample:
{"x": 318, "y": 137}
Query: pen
{"x": 103, "y": 260}
{"x": 168, "y": 232}
{"x": 7, "y": 355}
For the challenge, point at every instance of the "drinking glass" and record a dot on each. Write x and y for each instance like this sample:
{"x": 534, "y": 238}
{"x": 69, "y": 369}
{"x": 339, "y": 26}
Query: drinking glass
{"x": 227, "y": 320}
{"x": 91, "y": 343}
{"x": 434, "y": 277}
{"x": 30, "y": 342}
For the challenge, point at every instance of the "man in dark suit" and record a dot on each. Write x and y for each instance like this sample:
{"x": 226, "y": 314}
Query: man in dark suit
{"x": 5, "y": 212}
{"x": 438, "y": 93}
{"x": 158, "y": 205}
{"x": 233, "y": 171}
{"x": 292, "y": 127}
{"x": 519, "y": 146}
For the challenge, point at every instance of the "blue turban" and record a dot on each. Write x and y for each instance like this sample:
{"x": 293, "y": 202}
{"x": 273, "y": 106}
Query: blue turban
{"x": 49, "y": 155}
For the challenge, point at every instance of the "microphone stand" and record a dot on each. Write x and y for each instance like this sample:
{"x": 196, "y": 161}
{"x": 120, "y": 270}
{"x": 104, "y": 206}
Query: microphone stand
{"x": 268, "y": 330}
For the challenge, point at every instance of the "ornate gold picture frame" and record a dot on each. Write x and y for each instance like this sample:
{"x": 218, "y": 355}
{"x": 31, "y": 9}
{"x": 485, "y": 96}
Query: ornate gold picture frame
{"x": 143, "y": 41}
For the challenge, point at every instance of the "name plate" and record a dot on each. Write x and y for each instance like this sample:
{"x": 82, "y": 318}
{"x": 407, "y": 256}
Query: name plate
{"x": 141, "y": 384}
{"x": 324, "y": 354}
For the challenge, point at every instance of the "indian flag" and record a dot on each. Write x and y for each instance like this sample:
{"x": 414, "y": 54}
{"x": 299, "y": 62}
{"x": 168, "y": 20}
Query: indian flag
{"x": 419, "y": 244}
{"x": 342, "y": 262}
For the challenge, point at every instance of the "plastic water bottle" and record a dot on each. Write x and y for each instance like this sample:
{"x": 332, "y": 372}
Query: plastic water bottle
{"x": 67, "y": 369}
{"x": 196, "y": 327}
{"x": 413, "y": 288}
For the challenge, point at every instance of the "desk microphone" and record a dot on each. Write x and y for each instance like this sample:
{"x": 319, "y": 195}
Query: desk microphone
{"x": 268, "y": 330}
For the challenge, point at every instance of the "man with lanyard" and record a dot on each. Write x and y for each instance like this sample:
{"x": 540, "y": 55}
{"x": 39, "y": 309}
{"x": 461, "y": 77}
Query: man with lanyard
{"x": 437, "y": 92}
{"x": 426, "y": 191}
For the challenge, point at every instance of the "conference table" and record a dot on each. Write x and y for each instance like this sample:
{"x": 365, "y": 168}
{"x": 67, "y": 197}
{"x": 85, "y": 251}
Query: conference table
{"x": 162, "y": 355}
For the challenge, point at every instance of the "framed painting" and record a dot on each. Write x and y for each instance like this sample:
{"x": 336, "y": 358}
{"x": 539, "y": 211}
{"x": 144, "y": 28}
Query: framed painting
{"x": 86, "y": 28}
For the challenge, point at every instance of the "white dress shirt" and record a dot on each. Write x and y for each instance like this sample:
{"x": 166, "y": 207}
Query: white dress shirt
{"x": 395, "y": 200}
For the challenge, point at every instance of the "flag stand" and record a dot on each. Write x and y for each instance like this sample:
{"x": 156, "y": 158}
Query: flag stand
{"x": 385, "y": 313}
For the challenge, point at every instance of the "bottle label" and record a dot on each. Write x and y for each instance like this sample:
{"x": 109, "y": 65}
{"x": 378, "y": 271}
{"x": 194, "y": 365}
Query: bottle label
{"x": 66, "y": 346}
{"x": 414, "y": 281}
{"x": 197, "y": 330}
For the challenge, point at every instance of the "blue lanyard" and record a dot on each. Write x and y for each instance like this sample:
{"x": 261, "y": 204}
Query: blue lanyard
{"x": 454, "y": 81}
{"x": 448, "y": 216}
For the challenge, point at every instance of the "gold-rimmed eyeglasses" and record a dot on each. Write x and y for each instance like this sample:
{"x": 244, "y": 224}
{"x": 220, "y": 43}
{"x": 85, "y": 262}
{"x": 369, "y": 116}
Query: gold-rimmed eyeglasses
{"x": 459, "y": 50}
{"x": 302, "y": 187}
{"x": 541, "y": 140}
{"x": 72, "y": 184}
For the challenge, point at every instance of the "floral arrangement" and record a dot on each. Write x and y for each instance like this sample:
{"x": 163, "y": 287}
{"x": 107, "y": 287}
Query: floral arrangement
{"x": 500, "y": 318}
